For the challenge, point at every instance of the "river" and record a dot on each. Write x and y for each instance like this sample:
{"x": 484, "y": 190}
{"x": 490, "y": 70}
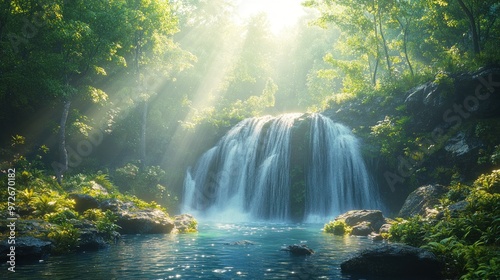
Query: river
{"x": 206, "y": 255}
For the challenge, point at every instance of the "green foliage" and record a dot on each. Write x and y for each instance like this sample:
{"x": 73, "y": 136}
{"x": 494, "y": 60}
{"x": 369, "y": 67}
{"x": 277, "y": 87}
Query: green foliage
{"x": 65, "y": 237}
{"x": 192, "y": 227}
{"x": 145, "y": 184}
{"x": 50, "y": 202}
{"x": 107, "y": 223}
{"x": 61, "y": 217}
{"x": 390, "y": 135}
{"x": 411, "y": 231}
{"x": 338, "y": 227}
{"x": 456, "y": 192}
{"x": 468, "y": 240}
{"x": 489, "y": 182}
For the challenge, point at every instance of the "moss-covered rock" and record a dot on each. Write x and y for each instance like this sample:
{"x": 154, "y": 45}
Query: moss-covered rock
{"x": 425, "y": 197}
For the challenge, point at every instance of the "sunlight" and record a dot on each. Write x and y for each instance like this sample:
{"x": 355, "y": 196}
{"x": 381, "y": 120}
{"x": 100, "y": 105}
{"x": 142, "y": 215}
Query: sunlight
{"x": 281, "y": 13}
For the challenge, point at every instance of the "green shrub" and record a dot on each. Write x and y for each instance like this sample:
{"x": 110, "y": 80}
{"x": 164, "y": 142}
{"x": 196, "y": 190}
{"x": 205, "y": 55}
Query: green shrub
{"x": 489, "y": 182}
{"x": 338, "y": 227}
{"x": 467, "y": 241}
{"x": 65, "y": 238}
{"x": 107, "y": 224}
{"x": 61, "y": 217}
{"x": 412, "y": 231}
{"x": 105, "y": 221}
{"x": 50, "y": 202}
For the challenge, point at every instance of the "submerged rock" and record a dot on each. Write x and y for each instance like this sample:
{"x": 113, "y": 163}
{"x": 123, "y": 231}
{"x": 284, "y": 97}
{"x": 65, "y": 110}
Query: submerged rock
{"x": 420, "y": 199}
{"x": 299, "y": 250}
{"x": 393, "y": 260}
{"x": 27, "y": 249}
{"x": 240, "y": 243}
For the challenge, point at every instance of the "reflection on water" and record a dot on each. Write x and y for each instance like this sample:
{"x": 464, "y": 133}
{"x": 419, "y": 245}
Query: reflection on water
{"x": 205, "y": 255}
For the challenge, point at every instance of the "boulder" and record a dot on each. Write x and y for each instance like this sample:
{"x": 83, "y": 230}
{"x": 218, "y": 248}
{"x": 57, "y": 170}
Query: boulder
{"x": 355, "y": 217}
{"x": 420, "y": 199}
{"x": 474, "y": 92}
{"x": 145, "y": 221}
{"x": 27, "y": 249}
{"x": 298, "y": 250}
{"x": 427, "y": 102}
{"x": 482, "y": 84}
{"x": 84, "y": 202}
{"x": 133, "y": 220}
{"x": 375, "y": 236}
{"x": 185, "y": 223}
{"x": 362, "y": 229}
{"x": 393, "y": 260}
{"x": 91, "y": 239}
{"x": 458, "y": 207}
{"x": 385, "y": 228}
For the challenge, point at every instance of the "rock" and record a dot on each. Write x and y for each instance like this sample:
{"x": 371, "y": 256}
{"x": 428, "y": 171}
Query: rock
{"x": 362, "y": 229}
{"x": 28, "y": 249}
{"x": 458, "y": 207}
{"x": 421, "y": 199}
{"x": 375, "y": 236}
{"x": 482, "y": 85}
{"x": 240, "y": 243}
{"x": 133, "y": 220}
{"x": 84, "y": 202}
{"x": 354, "y": 217}
{"x": 299, "y": 250}
{"x": 385, "y": 228}
{"x": 98, "y": 188}
{"x": 116, "y": 205}
{"x": 428, "y": 103}
{"x": 393, "y": 260}
{"x": 91, "y": 239}
{"x": 145, "y": 221}
{"x": 185, "y": 223}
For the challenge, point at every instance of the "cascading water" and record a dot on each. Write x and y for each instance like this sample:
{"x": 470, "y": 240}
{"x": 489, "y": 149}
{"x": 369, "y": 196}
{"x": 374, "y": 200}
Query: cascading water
{"x": 259, "y": 170}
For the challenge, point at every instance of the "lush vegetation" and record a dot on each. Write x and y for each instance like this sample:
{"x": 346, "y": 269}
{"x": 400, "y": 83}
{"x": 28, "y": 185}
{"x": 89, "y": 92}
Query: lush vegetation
{"x": 337, "y": 227}
{"x": 47, "y": 210}
{"x": 126, "y": 94}
{"x": 131, "y": 83}
{"x": 467, "y": 238}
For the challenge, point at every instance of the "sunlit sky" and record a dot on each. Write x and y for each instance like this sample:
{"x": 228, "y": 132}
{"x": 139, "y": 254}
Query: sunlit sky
{"x": 281, "y": 13}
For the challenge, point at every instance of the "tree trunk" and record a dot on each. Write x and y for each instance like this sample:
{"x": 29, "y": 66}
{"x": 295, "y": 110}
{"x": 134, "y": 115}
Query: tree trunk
{"x": 384, "y": 43}
{"x": 404, "y": 28}
{"x": 377, "y": 57}
{"x": 63, "y": 153}
{"x": 144, "y": 123}
{"x": 473, "y": 27}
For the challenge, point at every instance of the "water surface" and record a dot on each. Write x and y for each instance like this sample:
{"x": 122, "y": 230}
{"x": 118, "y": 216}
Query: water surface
{"x": 205, "y": 255}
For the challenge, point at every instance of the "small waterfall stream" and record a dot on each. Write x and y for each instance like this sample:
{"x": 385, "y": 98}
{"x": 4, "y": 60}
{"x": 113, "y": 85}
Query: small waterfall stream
{"x": 274, "y": 168}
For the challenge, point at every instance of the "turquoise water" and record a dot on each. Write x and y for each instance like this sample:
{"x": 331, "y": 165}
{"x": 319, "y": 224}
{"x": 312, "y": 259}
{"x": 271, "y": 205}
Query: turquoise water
{"x": 204, "y": 255}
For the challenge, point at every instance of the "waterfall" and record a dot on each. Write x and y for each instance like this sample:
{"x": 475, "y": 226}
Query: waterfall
{"x": 269, "y": 168}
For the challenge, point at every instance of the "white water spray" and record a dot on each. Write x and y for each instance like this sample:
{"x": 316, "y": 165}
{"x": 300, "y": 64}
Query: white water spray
{"x": 247, "y": 175}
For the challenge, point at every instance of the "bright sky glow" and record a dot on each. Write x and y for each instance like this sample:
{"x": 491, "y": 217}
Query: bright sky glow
{"x": 281, "y": 13}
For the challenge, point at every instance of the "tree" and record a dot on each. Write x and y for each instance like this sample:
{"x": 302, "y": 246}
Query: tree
{"x": 63, "y": 49}
{"x": 362, "y": 25}
{"x": 152, "y": 53}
